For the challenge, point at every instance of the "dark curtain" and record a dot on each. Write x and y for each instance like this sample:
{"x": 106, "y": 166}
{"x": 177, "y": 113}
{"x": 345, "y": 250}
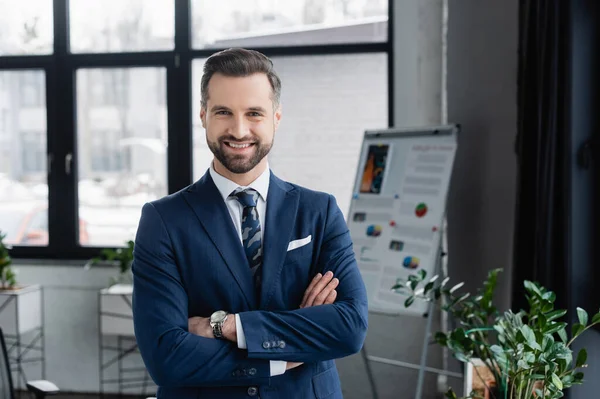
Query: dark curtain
{"x": 541, "y": 245}
{"x": 557, "y": 226}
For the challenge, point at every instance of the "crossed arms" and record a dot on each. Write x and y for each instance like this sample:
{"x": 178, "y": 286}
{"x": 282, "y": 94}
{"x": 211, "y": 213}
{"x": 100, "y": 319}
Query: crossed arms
{"x": 175, "y": 356}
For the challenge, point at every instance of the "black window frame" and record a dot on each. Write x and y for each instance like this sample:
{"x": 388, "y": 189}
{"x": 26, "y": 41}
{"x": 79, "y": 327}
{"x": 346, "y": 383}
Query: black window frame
{"x": 60, "y": 69}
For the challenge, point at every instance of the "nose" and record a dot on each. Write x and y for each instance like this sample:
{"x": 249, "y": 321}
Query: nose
{"x": 239, "y": 128}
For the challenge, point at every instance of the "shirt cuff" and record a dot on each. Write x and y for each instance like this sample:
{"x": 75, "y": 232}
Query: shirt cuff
{"x": 278, "y": 367}
{"x": 239, "y": 330}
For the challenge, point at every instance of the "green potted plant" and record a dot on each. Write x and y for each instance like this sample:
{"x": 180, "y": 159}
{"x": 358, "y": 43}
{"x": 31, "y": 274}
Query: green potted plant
{"x": 119, "y": 257}
{"x": 8, "y": 278}
{"x": 528, "y": 353}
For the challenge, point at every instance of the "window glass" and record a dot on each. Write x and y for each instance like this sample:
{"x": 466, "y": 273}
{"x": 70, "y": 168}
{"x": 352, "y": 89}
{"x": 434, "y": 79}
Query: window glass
{"x": 100, "y": 26}
{"x": 26, "y": 27}
{"x": 23, "y": 160}
{"x": 270, "y": 23}
{"x": 122, "y": 150}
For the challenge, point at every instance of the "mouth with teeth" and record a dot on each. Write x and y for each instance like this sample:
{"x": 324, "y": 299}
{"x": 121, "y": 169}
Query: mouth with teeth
{"x": 238, "y": 147}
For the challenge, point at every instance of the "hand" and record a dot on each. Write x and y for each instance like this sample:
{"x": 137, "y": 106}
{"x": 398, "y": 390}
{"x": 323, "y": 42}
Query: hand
{"x": 321, "y": 291}
{"x": 201, "y": 326}
{"x": 292, "y": 365}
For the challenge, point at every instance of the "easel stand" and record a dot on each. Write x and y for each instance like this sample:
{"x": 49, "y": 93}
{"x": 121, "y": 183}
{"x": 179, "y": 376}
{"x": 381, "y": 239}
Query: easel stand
{"x": 440, "y": 268}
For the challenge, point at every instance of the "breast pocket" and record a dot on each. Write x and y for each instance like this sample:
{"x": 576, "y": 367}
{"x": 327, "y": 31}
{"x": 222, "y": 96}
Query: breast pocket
{"x": 302, "y": 253}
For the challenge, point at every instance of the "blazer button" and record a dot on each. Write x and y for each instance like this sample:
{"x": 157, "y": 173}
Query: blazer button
{"x": 252, "y": 391}
{"x": 252, "y": 371}
{"x": 266, "y": 344}
{"x": 282, "y": 344}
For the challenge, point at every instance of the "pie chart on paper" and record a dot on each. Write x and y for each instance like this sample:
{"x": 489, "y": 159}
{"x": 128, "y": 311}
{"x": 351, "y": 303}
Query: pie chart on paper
{"x": 421, "y": 210}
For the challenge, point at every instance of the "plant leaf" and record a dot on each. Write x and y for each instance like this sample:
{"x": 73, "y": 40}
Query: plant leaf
{"x": 413, "y": 284}
{"x": 529, "y": 336}
{"x": 422, "y": 274}
{"x": 409, "y": 301}
{"x": 577, "y": 329}
{"x": 562, "y": 333}
{"x": 457, "y": 286}
{"x": 583, "y": 316}
{"x": 596, "y": 319}
{"x": 581, "y": 358}
{"x": 428, "y": 288}
{"x": 557, "y": 382}
{"x": 461, "y": 357}
{"x": 554, "y": 327}
{"x": 557, "y": 314}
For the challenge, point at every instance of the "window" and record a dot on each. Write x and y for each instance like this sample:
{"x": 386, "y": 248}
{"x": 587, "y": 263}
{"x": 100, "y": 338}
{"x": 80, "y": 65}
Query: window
{"x": 99, "y": 26}
{"x": 122, "y": 163}
{"x": 328, "y": 102}
{"x": 244, "y": 23}
{"x": 23, "y": 184}
{"x": 26, "y": 27}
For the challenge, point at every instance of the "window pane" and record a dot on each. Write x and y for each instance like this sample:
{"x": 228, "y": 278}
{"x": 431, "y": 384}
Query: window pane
{"x": 26, "y": 27}
{"x": 122, "y": 150}
{"x": 99, "y": 26}
{"x": 265, "y": 23}
{"x": 327, "y": 102}
{"x": 23, "y": 177}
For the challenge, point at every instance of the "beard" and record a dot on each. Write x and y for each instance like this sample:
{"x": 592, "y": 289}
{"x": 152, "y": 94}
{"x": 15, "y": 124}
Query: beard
{"x": 239, "y": 163}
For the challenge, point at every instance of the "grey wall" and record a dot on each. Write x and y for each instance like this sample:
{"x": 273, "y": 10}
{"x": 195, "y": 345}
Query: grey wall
{"x": 481, "y": 96}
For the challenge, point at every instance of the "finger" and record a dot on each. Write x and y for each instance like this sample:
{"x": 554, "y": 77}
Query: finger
{"x": 314, "y": 281}
{"x": 326, "y": 279}
{"x": 318, "y": 287}
{"x": 322, "y": 296}
{"x": 331, "y": 298}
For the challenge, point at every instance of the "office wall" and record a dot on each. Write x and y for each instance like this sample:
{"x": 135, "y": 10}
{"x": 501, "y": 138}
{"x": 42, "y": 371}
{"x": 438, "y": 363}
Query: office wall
{"x": 481, "y": 96}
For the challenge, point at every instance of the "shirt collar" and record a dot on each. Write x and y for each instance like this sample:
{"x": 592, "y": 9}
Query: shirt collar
{"x": 226, "y": 186}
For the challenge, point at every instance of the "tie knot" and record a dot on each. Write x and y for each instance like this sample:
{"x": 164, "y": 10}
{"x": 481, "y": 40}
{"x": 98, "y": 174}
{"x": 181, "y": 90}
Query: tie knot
{"x": 247, "y": 197}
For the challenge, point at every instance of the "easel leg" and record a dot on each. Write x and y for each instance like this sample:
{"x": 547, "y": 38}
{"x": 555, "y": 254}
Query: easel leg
{"x": 365, "y": 357}
{"x": 421, "y": 378}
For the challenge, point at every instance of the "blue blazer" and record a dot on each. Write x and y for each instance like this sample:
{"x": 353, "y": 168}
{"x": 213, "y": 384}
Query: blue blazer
{"x": 189, "y": 261}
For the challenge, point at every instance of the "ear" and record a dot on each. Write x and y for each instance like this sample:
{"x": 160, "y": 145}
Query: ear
{"x": 277, "y": 117}
{"x": 203, "y": 116}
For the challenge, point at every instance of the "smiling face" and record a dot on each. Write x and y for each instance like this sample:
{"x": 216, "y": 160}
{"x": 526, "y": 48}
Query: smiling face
{"x": 240, "y": 121}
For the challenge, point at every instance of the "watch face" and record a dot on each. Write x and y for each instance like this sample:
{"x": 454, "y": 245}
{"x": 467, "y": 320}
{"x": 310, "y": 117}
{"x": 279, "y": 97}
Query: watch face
{"x": 218, "y": 316}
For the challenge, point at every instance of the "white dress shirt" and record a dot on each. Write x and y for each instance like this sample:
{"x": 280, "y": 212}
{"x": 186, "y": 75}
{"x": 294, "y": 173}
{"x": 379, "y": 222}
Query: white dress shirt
{"x": 261, "y": 185}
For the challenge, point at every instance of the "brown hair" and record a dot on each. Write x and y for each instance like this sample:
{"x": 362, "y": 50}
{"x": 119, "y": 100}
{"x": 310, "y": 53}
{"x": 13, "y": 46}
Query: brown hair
{"x": 239, "y": 62}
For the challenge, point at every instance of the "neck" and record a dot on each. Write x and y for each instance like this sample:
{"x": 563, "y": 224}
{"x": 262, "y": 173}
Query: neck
{"x": 243, "y": 179}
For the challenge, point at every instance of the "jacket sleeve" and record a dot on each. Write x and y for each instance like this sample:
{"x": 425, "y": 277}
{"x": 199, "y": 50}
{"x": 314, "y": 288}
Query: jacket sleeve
{"x": 172, "y": 355}
{"x": 321, "y": 332}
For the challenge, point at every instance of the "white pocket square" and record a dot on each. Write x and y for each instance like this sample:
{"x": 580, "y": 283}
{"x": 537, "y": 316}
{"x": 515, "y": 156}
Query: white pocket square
{"x": 299, "y": 243}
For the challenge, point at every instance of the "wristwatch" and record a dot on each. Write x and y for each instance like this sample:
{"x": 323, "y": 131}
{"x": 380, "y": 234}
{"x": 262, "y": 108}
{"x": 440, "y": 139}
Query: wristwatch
{"x": 216, "y": 322}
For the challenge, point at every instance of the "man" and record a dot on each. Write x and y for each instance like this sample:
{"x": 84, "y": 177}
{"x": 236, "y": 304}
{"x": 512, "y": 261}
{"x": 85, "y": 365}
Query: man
{"x": 245, "y": 285}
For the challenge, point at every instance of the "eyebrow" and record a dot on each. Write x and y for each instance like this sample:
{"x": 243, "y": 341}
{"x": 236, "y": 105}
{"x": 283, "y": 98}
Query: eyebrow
{"x": 224, "y": 108}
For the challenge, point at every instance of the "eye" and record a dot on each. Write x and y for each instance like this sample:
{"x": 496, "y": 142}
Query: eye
{"x": 254, "y": 114}
{"x": 222, "y": 112}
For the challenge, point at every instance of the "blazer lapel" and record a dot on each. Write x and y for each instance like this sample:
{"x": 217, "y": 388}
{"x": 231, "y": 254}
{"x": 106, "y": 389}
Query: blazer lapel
{"x": 206, "y": 201}
{"x": 282, "y": 206}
